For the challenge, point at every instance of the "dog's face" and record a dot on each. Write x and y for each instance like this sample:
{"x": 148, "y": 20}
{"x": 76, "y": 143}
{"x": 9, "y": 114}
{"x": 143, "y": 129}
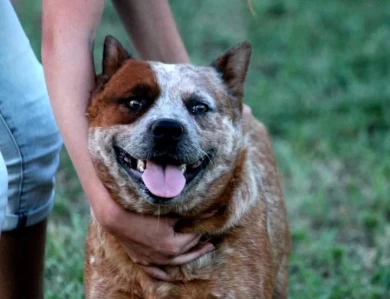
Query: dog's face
{"x": 165, "y": 137}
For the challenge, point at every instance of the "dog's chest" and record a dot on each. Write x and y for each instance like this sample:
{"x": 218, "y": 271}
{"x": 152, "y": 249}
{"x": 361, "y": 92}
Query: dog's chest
{"x": 224, "y": 273}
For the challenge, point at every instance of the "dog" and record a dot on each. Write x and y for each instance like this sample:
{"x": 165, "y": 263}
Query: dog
{"x": 172, "y": 140}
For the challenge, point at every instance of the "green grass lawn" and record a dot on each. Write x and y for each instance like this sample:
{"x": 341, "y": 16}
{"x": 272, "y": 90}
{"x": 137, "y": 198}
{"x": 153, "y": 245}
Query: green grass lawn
{"x": 319, "y": 80}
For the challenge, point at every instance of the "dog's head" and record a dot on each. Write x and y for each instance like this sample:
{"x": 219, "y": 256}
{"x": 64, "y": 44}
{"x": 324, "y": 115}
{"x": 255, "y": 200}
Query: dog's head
{"x": 165, "y": 137}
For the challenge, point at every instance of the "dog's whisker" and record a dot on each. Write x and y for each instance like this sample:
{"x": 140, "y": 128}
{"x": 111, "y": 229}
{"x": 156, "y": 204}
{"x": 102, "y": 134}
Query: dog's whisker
{"x": 205, "y": 155}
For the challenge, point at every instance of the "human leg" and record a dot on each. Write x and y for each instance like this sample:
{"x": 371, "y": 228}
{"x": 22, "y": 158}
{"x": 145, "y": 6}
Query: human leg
{"x": 30, "y": 144}
{"x": 22, "y": 254}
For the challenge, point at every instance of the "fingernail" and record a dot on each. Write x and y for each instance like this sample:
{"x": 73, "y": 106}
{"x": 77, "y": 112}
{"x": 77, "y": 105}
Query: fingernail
{"x": 209, "y": 214}
{"x": 210, "y": 247}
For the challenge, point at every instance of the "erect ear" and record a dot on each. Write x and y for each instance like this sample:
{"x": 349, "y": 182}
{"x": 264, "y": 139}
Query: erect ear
{"x": 233, "y": 66}
{"x": 114, "y": 55}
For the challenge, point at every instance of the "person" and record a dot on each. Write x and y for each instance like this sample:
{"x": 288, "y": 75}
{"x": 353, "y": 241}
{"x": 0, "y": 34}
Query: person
{"x": 29, "y": 146}
{"x": 30, "y": 141}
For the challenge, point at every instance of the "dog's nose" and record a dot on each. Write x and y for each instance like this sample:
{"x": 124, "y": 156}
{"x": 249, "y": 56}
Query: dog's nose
{"x": 167, "y": 129}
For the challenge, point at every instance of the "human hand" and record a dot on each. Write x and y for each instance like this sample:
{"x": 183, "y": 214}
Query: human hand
{"x": 150, "y": 241}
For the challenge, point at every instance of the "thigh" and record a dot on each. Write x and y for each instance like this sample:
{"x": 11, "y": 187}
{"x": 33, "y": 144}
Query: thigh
{"x": 29, "y": 138}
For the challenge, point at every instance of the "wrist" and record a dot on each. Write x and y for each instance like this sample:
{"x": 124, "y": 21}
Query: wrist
{"x": 107, "y": 212}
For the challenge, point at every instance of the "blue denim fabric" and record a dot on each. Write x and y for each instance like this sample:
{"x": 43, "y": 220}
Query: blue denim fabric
{"x": 29, "y": 138}
{"x": 3, "y": 189}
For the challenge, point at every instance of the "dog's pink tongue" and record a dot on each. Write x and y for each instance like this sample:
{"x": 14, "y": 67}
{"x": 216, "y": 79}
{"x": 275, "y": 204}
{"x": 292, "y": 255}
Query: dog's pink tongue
{"x": 163, "y": 181}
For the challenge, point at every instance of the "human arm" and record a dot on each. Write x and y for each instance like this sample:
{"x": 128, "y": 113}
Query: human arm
{"x": 69, "y": 28}
{"x": 152, "y": 29}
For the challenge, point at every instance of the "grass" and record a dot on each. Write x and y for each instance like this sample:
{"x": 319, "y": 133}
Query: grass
{"x": 319, "y": 81}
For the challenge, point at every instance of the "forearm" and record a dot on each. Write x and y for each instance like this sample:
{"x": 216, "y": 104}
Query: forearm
{"x": 69, "y": 81}
{"x": 152, "y": 29}
{"x": 69, "y": 73}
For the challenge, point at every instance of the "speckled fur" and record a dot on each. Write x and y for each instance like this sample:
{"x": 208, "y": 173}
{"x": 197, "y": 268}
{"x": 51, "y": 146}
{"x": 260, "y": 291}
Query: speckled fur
{"x": 250, "y": 228}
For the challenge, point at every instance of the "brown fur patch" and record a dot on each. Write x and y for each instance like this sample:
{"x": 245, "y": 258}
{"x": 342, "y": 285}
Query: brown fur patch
{"x": 134, "y": 80}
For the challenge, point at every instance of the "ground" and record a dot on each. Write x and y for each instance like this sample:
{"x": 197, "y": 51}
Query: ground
{"x": 319, "y": 80}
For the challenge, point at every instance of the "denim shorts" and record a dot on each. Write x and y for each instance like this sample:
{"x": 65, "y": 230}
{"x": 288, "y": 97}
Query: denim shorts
{"x": 29, "y": 138}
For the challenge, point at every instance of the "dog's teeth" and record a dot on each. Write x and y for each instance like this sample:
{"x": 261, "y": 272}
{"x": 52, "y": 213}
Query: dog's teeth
{"x": 140, "y": 165}
{"x": 183, "y": 168}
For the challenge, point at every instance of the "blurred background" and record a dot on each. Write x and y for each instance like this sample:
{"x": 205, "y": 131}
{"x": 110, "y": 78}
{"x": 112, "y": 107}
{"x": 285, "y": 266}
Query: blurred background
{"x": 319, "y": 79}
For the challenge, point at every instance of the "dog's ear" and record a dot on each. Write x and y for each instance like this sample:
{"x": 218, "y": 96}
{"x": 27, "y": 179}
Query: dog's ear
{"x": 233, "y": 66}
{"x": 114, "y": 55}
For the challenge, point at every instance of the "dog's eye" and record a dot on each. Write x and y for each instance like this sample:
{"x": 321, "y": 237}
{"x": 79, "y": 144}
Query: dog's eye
{"x": 199, "y": 108}
{"x": 134, "y": 105}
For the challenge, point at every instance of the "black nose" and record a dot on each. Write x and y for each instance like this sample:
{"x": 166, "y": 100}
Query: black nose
{"x": 166, "y": 129}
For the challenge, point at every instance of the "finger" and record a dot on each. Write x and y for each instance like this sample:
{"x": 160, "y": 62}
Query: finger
{"x": 142, "y": 256}
{"x": 247, "y": 110}
{"x": 159, "y": 259}
{"x": 157, "y": 273}
{"x": 209, "y": 214}
{"x": 181, "y": 243}
{"x": 188, "y": 257}
{"x": 191, "y": 244}
{"x": 131, "y": 251}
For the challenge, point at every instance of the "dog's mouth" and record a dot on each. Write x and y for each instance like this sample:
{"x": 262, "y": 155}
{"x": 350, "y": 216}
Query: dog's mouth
{"x": 163, "y": 178}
